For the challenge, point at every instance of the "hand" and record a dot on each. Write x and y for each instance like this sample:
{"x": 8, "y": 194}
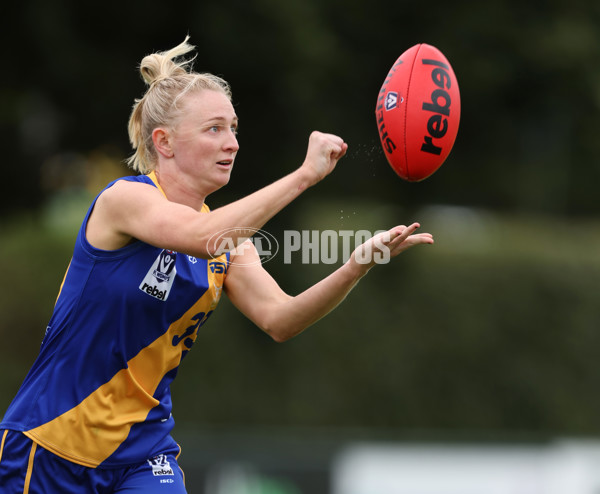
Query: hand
{"x": 324, "y": 151}
{"x": 381, "y": 248}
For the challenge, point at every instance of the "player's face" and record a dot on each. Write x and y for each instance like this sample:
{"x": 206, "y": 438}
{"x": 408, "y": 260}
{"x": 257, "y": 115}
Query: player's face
{"x": 204, "y": 140}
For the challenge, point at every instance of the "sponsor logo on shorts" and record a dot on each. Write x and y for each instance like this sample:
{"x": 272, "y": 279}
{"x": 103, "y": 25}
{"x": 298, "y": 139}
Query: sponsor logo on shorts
{"x": 160, "y": 466}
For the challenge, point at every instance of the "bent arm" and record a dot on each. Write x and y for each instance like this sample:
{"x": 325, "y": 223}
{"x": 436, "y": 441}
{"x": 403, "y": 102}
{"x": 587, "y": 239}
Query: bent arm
{"x": 130, "y": 210}
{"x": 137, "y": 210}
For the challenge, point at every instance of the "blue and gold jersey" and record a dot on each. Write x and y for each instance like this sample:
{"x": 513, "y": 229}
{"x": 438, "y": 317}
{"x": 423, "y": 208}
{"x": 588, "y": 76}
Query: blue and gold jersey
{"x": 98, "y": 394}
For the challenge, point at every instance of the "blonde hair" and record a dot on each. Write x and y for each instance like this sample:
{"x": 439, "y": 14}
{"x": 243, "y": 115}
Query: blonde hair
{"x": 168, "y": 80}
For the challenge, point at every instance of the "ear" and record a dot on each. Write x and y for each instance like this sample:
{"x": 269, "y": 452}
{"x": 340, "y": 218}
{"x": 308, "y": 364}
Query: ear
{"x": 162, "y": 142}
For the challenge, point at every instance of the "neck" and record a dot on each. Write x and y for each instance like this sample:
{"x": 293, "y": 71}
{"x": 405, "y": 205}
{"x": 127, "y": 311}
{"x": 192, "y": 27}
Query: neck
{"x": 177, "y": 189}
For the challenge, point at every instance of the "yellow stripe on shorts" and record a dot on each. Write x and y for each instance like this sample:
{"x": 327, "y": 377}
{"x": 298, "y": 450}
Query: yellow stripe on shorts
{"x": 2, "y": 443}
{"x": 29, "y": 468}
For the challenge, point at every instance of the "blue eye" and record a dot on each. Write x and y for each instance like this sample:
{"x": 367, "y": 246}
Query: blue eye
{"x": 218, "y": 128}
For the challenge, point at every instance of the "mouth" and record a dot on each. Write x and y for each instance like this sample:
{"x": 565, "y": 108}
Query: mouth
{"x": 225, "y": 163}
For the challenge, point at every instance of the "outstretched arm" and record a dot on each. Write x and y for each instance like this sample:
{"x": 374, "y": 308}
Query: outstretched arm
{"x": 259, "y": 297}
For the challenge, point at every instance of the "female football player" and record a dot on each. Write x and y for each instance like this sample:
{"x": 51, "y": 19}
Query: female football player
{"x": 94, "y": 413}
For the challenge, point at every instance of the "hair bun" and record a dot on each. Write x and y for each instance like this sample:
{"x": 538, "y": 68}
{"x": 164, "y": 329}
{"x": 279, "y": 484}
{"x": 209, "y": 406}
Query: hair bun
{"x": 162, "y": 65}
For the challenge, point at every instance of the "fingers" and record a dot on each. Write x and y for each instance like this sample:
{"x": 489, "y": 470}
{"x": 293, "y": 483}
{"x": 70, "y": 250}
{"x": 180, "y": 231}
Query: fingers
{"x": 324, "y": 151}
{"x": 336, "y": 151}
{"x": 402, "y": 232}
{"x": 332, "y": 145}
{"x": 340, "y": 153}
{"x": 402, "y": 237}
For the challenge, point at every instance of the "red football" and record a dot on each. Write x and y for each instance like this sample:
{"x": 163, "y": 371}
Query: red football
{"x": 418, "y": 112}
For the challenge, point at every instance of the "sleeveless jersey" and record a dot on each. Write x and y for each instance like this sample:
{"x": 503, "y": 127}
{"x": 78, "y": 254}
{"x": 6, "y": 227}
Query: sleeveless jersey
{"x": 98, "y": 393}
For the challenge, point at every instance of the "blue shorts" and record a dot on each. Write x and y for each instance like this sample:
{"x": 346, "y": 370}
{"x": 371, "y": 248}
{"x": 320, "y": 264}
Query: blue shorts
{"x": 27, "y": 468}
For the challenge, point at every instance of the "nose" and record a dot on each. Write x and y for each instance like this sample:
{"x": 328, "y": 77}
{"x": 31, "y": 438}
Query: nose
{"x": 231, "y": 144}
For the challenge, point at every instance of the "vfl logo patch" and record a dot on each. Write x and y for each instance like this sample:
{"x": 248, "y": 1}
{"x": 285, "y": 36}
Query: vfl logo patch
{"x": 391, "y": 100}
{"x": 160, "y": 466}
{"x": 159, "y": 279}
{"x": 165, "y": 264}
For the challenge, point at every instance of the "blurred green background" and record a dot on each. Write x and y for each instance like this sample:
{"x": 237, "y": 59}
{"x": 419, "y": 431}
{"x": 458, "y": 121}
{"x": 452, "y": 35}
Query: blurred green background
{"x": 491, "y": 332}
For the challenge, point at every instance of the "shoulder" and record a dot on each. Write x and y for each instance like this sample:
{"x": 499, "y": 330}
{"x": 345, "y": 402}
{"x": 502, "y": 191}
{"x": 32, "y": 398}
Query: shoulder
{"x": 119, "y": 205}
{"x": 128, "y": 189}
